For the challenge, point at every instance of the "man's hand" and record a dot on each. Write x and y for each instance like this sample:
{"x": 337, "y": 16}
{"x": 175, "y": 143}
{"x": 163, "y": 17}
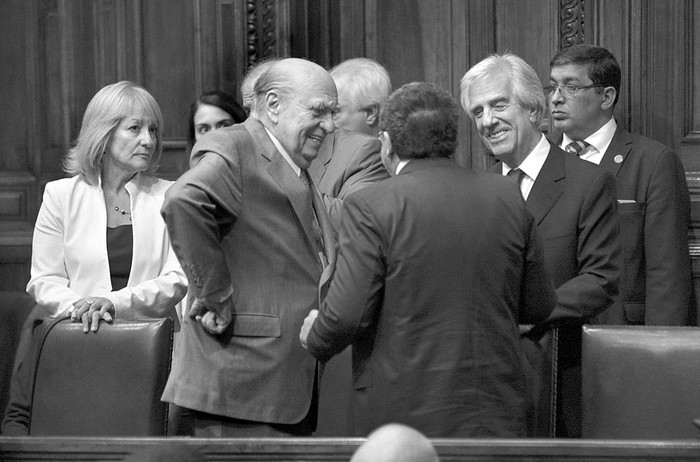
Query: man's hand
{"x": 308, "y": 324}
{"x": 90, "y": 310}
{"x": 215, "y": 318}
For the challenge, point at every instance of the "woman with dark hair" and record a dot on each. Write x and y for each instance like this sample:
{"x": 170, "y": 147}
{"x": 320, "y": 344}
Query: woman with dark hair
{"x": 212, "y": 110}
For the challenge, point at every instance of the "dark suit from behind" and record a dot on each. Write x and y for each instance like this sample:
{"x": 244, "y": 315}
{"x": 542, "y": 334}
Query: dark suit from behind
{"x": 573, "y": 202}
{"x": 240, "y": 220}
{"x": 346, "y": 162}
{"x": 656, "y": 285}
{"x": 436, "y": 268}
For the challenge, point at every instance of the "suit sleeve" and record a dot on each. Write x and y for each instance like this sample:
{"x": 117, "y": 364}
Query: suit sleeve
{"x": 537, "y": 292}
{"x": 356, "y": 289}
{"x": 199, "y": 209}
{"x": 365, "y": 167}
{"x": 666, "y": 220}
{"x": 49, "y": 284}
{"x": 599, "y": 255}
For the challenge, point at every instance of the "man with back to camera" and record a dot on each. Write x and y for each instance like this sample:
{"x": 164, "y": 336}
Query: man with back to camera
{"x": 436, "y": 268}
{"x": 254, "y": 239}
{"x": 573, "y": 203}
{"x": 349, "y": 160}
{"x": 652, "y": 194}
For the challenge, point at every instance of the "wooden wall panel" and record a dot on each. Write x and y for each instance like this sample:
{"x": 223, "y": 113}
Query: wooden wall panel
{"x": 63, "y": 51}
{"x": 16, "y": 108}
{"x": 57, "y": 53}
{"x": 523, "y": 28}
{"x": 168, "y": 72}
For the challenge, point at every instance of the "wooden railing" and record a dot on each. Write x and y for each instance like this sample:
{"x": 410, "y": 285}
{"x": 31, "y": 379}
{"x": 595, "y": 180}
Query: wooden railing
{"x": 341, "y": 449}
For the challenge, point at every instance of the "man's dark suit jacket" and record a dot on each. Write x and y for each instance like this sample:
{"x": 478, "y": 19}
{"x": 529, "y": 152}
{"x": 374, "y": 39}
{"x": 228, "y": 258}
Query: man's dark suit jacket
{"x": 654, "y": 206}
{"x": 574, "y": 205}
{"x": 436, "y": 268}
{"x": 241, "y": 224}
{"x": 346, "y": 162}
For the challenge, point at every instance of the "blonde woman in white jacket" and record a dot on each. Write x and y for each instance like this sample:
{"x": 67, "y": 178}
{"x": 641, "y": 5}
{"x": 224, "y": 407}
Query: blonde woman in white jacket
{"x": 100, "y": 247}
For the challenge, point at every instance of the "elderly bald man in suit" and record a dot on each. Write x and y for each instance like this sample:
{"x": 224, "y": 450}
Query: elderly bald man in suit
{"x": 255, "y": 242}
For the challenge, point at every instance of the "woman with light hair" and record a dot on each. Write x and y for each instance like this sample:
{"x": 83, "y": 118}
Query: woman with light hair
{"x": 101, "y": 250}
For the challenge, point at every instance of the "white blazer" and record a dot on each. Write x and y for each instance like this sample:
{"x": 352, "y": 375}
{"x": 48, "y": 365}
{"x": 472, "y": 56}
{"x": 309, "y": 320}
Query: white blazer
{"x": 69, "y": 251}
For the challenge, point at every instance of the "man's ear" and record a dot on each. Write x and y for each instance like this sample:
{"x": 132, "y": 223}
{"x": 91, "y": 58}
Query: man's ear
{"x": 372, "y": 118}
{"x": 272, "y": 105}
{"x": 389, "y": 159}
{"x": 609, "y": 94}
{"x": 534, "y": 115}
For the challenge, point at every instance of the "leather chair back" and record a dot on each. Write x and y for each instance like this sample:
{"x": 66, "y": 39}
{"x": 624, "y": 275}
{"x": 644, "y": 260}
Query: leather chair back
{"x": 107, "y": 383}
{"x": 640, "y": 382}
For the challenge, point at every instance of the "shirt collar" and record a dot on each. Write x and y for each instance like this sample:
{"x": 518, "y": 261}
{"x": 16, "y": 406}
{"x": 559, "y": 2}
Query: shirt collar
{"x": 600, "y": 139}
{"x": 534, "y": 161}
{"x": 283, "y": 152}
{"x": 401, "y": 165}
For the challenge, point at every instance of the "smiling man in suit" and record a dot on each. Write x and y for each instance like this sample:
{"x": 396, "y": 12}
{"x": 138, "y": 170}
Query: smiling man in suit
{"x": 254, "y": 239}
{"x": 573, "y": 203}
{"x": 654, "y": 204}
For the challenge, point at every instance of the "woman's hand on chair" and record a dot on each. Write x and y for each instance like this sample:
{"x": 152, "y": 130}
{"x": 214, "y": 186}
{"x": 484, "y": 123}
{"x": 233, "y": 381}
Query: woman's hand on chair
{"x": 90, "y": 310}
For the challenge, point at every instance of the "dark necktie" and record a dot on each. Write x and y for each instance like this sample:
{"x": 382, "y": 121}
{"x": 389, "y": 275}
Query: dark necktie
{"x": 321, "y": 224}
{"x": 517, "y": 175}
{"x": 577, "y": 147}
{"x": 322, "y": 227}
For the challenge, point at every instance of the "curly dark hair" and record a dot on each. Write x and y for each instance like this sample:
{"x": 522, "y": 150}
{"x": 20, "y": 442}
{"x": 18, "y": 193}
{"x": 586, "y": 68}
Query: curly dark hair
{"x": 421, "y": 120}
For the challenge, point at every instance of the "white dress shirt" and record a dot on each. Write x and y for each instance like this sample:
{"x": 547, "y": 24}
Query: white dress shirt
{"x": 598, "y": 141}
{"x": 531, "y": 166}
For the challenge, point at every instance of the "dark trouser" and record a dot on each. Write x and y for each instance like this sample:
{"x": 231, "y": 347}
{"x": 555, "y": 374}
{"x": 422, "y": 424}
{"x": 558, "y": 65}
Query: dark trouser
{"x": 216, "y": 426}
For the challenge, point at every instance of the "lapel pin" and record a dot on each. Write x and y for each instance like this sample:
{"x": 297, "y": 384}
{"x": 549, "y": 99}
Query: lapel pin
{"x": 618, "y": 159}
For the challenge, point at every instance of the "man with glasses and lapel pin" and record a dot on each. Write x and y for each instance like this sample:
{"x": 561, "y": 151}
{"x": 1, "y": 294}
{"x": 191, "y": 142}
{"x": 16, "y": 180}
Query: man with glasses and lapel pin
{"x": 652, "y": 195}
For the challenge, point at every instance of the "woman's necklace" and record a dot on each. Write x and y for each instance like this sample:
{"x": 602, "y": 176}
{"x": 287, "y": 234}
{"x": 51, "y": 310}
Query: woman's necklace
{"x": 122, "y": 211}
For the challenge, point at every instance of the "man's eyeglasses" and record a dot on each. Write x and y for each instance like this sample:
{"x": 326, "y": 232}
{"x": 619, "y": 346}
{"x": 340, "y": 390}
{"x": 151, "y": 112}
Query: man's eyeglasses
{"x": 569, "y": 91}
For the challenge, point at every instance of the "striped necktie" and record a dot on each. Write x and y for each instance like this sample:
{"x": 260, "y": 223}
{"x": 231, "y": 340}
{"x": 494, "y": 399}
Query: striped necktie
{"x": 577, "y": 147}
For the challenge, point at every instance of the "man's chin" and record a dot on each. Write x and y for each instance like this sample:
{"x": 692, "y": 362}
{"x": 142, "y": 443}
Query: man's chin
{"x": 307, "y": 158}
{"x": 560, "y": 124}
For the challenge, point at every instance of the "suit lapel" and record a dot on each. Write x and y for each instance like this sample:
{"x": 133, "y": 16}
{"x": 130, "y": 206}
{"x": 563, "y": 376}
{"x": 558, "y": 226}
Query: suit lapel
{"x": 547, "y": 189}
{"x": 617, "y": 152}
{"x": 281, "y": 172}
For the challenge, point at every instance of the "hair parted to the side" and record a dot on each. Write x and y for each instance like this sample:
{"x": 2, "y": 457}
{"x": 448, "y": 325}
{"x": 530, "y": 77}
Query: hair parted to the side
{"x": 275, "y": 78}
{"x": 224, "y": 101}
{"x": 365, "y": 81}
{"x": 249, "y": 79}
{"x": 103, "y": 114}
{"x": 421, "y": 120}
{"x": 603, "y": 68}
{"x": 526, "y": 86}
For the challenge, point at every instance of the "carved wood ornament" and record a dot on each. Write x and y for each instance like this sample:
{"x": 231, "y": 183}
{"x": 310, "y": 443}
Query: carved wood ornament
{"x": 261, "y": 30}
{"x": 571, "y": 16}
